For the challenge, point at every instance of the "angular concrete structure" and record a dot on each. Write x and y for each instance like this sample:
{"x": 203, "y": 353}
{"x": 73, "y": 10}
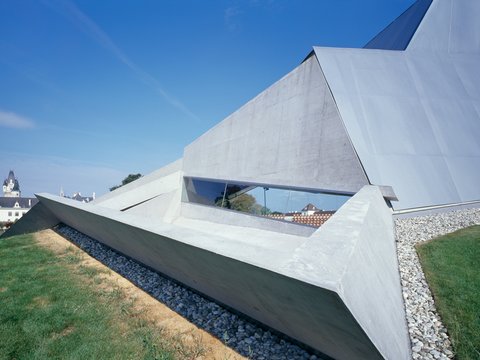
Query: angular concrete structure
{"x": 414, "y": 116}
{"x": 297, "y": 110}
{"x": 397, "y": 120}
{"x": 327, "y": 288}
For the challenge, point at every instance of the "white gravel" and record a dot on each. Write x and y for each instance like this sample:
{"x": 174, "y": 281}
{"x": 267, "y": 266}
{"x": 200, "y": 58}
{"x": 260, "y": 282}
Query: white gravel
{"x": 428, "y": 335}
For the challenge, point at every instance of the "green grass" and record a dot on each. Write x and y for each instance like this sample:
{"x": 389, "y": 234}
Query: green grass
{"x": 452, "y": 267}
{"x": 49, "y": 311}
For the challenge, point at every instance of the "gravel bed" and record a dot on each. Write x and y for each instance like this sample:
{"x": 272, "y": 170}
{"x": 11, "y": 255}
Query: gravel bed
{"x": 427, "y": 333}
{"x": 243, "y": 336}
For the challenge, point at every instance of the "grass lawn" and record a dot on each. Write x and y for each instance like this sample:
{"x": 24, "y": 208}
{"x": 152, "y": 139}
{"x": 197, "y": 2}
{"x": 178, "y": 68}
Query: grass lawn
{"x": 452, "y": 267}
{"x": 50, "y": 309}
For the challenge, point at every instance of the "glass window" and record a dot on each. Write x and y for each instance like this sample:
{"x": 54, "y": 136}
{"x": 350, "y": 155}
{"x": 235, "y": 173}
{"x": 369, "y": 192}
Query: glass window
{"x": 304, "y": 207}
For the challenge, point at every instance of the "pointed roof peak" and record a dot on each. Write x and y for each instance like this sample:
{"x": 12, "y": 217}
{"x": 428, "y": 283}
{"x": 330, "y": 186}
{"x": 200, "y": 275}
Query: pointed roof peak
{"x": 437, "y": 25}
{"x": 309, "y": 207}
{"x": 399, "y": 33}
{"x": 12, "y": 179}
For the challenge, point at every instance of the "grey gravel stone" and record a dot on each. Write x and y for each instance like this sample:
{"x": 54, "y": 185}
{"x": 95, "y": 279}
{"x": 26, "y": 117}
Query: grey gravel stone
{"x": 427, "y": 333}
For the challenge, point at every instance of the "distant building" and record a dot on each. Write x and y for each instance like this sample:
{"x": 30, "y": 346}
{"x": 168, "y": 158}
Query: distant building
{"x": 316, "y": 219}
{"x": 86, "y": 199}
{"x": 310, "y": 215}
{"x": 11, "y": 188}
{"x": 309, "y": 209}
{"x": 78, "y": 196}
{"x": 12, "y": 205}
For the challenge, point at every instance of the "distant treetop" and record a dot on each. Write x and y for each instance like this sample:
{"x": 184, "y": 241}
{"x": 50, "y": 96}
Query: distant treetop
{"x": 128, "y": 179}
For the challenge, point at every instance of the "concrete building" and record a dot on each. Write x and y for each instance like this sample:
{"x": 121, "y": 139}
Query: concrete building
{"x": 395, "y": 125}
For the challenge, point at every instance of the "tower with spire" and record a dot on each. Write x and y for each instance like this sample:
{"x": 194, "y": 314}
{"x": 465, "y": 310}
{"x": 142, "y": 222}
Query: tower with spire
{"x": 11, "y": 187}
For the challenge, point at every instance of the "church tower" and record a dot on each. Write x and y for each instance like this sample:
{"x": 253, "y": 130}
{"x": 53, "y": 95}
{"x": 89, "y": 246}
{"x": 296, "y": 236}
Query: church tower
{"x": 11, "y": 188}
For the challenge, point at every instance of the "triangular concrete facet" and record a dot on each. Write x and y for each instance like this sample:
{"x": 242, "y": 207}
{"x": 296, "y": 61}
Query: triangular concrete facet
{"x": 290, "y": 135}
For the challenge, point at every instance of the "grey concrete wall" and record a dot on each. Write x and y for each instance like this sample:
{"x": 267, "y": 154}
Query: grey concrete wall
{"x": 414, "y": 116}
{"x": 159, "y": 182}
{"x": 36, "y": 219}
{"x": 235, "y": 218}
{"x": 141, "y": 193}
{"x": 372, "y": 278}
{"x": 355, "y": 252}
{"x": 291, "y": 135}
{"x": 300, "y": 290}
{"x": 402, "y": 214}
{"x": 164, "y": 207}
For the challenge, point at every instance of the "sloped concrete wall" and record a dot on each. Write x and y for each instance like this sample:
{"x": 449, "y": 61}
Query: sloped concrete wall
{"x": 414, "y": 116}
{"x": 235, "y": 218}
{"x": 322, "y": 293}
{"x": 164, "y": 207}
{"x": 291, "y": 135}
{"x": 161, "y": 181}
{"x": 355, "y": 252}
{"x": 36, "y": 219}
{"x": 372, "y": 279}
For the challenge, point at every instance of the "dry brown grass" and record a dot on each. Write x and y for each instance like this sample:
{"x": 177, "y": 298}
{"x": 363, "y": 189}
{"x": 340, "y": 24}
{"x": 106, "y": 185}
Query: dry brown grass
{"x": 190, "y": 341}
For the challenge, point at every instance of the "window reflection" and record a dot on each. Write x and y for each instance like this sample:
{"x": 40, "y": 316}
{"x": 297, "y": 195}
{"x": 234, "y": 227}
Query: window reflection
{"x": 302, "y": 207}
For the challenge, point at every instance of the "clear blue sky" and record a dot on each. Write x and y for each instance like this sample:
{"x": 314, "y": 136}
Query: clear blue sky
{"x": 93, "y": 90}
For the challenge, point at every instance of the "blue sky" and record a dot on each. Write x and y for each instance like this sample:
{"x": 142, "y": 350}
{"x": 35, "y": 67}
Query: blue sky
{"x": 91, "y": 91}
